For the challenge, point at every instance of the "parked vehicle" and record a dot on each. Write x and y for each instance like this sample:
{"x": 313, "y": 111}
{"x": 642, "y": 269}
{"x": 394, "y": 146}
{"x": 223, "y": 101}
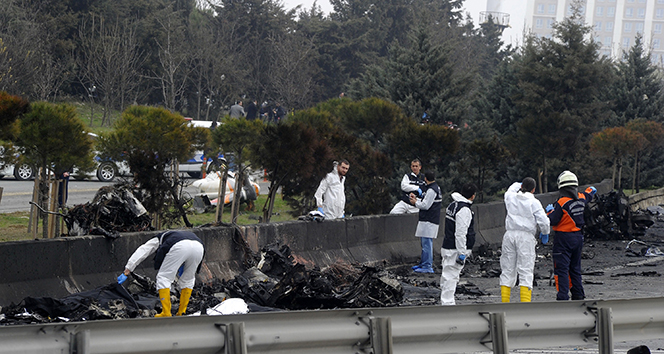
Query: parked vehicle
{"x": 209, "y": 186}
{"x": 21, "y": 172}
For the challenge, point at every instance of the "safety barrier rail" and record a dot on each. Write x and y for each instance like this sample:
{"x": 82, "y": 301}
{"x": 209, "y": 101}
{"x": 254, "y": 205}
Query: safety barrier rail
{"x": 426, "y": 329}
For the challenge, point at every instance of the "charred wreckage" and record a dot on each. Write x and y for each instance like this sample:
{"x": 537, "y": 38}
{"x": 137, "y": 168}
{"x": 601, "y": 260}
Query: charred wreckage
{"x": 274, "y": 281}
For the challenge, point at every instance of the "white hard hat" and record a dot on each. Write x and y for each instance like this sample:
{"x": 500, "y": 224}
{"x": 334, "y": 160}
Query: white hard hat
{"x": 567, "y": 178}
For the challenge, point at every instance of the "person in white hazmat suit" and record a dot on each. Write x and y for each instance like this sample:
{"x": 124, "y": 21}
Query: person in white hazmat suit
{"x": 525, "y": 215}
{"x": 330, "y": 195}
{"x": 174, "y": 249}
{"x": 458, "y": 241}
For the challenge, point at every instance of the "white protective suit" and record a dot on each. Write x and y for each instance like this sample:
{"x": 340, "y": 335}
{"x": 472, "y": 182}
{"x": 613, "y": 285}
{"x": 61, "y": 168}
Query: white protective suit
{"x": 449, "y": 277}
{"x": 331, "y": 194}
{"x": 402, "y": 207}
{"x": 524, "y": 215}
{"x": 187, "y": 252}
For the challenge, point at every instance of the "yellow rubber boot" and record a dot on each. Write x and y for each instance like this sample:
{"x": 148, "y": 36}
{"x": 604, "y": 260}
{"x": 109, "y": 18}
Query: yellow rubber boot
{"x": 185, "y": 294}
{"x": 165, "y": 297}
{"x": 505, "y": 292}
{"x": 526, "y": 294}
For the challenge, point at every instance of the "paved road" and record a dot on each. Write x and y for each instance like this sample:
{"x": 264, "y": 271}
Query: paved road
{"x": 17, "y": 194}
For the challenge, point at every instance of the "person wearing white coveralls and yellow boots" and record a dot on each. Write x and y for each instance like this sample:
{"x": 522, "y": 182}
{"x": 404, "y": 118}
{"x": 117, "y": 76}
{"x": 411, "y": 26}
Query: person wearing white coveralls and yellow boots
{"x": 458, "y": 241}
{"x": 174, "y": 249}
{"x": 330, "y": 195}
{"x": 525, "y": 215}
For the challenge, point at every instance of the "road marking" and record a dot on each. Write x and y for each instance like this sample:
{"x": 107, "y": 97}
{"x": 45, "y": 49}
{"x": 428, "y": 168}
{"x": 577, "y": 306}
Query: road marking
{"x": 70, "y": 192}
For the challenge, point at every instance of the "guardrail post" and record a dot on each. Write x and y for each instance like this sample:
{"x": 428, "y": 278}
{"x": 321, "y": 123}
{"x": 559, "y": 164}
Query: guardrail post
{"x": 234, "y": 342}
{"x": 605, "y": 330}
{"x": 381, "y": 335}
{"x": 498, "y": 332}
{"x": 80, "y": 343}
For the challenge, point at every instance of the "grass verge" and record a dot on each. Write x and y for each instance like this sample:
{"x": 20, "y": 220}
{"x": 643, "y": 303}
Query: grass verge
{"x": 14, "y": 226}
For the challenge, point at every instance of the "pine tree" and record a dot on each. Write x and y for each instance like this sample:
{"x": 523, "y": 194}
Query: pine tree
{"x": 420, "y": 78}
{"x": 560, "y": 81}
{"x": 638, "y": 91}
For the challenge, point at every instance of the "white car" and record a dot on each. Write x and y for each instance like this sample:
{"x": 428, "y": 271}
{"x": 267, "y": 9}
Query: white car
{"x": 22, "y": 172}
{"x": 209, "y": 186}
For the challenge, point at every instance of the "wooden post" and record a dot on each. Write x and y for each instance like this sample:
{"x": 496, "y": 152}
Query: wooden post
{"x": 52, "y": 206}
{"x": 33, "y": 222}
{"x": 1, "y": 189}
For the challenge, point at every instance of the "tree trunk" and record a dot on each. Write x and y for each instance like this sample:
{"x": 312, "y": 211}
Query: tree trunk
{"x": 539, "y": 180}
{"x": 638, "y": 172}
{"x": 619, "y": 173}
{"x": 636, "y": 162}
{"x": 546, "y": 178}
{"x": 43, "y": 199}
{"x": 92, "y": 110}
{"x": 235, "y": 205}
{"x": 269, "y": 203}
{"x": 613, "y": 173}
{"x": 221, "y": 195}
{"x": 178, "y": 202}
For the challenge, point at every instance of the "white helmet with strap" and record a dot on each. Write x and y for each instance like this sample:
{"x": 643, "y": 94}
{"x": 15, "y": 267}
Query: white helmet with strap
{"x": 567, "y": 178}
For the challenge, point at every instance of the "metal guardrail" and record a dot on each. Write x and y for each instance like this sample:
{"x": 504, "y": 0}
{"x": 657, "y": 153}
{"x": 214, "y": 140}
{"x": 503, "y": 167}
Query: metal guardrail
{"x": 427, "y": 329}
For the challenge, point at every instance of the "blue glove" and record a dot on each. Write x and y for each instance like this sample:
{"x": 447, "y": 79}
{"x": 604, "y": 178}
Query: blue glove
{"x": 549, "y": 208}
{"x": 321, "y": 210}
{"x": 461, "y": 259}
{"x": 419, "y": 191}
{"x": 181, "y": 270}
{"x": 544, "y": 238}
{"x": 121, "y": 278}
{"x": 592, "y": 190}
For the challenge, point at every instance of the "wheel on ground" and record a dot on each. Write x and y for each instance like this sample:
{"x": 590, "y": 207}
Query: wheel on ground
{"x": 23, "y": 172}
{"x": 106, "y": 171}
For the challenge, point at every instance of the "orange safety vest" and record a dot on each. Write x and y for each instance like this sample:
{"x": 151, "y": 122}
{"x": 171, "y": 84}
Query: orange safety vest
{"x": 567, "y": 223}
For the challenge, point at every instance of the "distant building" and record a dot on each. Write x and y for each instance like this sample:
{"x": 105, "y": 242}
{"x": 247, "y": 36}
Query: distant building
{"x": 615, "y": 22}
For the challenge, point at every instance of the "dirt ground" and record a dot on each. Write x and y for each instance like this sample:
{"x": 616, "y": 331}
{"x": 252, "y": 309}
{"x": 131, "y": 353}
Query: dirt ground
{"x": 610, "y": 271}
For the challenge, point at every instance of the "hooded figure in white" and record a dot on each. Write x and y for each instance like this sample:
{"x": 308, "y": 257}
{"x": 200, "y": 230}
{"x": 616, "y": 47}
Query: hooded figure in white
{"x": 330, "y": 195}
{"x": 525, "y": 215}
{"x": 458, "y": 241}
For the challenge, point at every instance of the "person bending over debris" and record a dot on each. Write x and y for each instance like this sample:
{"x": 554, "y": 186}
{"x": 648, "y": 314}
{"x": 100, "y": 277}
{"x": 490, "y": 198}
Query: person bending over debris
{"x": 458, "y": 242}
{"x": 330, "y": 195}
{"x": 174, "y": 249}
{"x": 524, "y": 215}
{"x": 429, "y": 220}
{"x": 412, "y": 182}
{"x": 566, "y": 216}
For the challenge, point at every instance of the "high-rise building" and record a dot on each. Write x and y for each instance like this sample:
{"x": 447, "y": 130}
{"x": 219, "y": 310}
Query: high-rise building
{"x": 615, "y": 22}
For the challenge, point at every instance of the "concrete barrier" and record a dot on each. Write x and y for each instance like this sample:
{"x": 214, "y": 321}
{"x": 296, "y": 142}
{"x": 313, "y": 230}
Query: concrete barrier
{"x": 58, "y": 267}
{"x": 646, "y": 199}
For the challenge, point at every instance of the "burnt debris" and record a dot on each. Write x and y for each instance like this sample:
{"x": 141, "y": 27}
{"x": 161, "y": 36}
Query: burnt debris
{"x": 608, "y": 217}
{"x": 278, "y": 281}
{"x": 114, "y": 209}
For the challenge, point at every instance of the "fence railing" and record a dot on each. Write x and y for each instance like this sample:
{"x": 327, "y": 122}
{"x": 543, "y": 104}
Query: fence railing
{"x": 426, "y": 329}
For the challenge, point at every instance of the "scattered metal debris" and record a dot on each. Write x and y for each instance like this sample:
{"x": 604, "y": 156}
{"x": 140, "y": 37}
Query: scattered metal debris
{"x": 112, "y": 301}
{"x": 114, "y": 209}
{"x": 277, "y": 281}
{"x": 646, "y": 251}
{"x": 651, "y": 273}
{"x": 607, "y": 217}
